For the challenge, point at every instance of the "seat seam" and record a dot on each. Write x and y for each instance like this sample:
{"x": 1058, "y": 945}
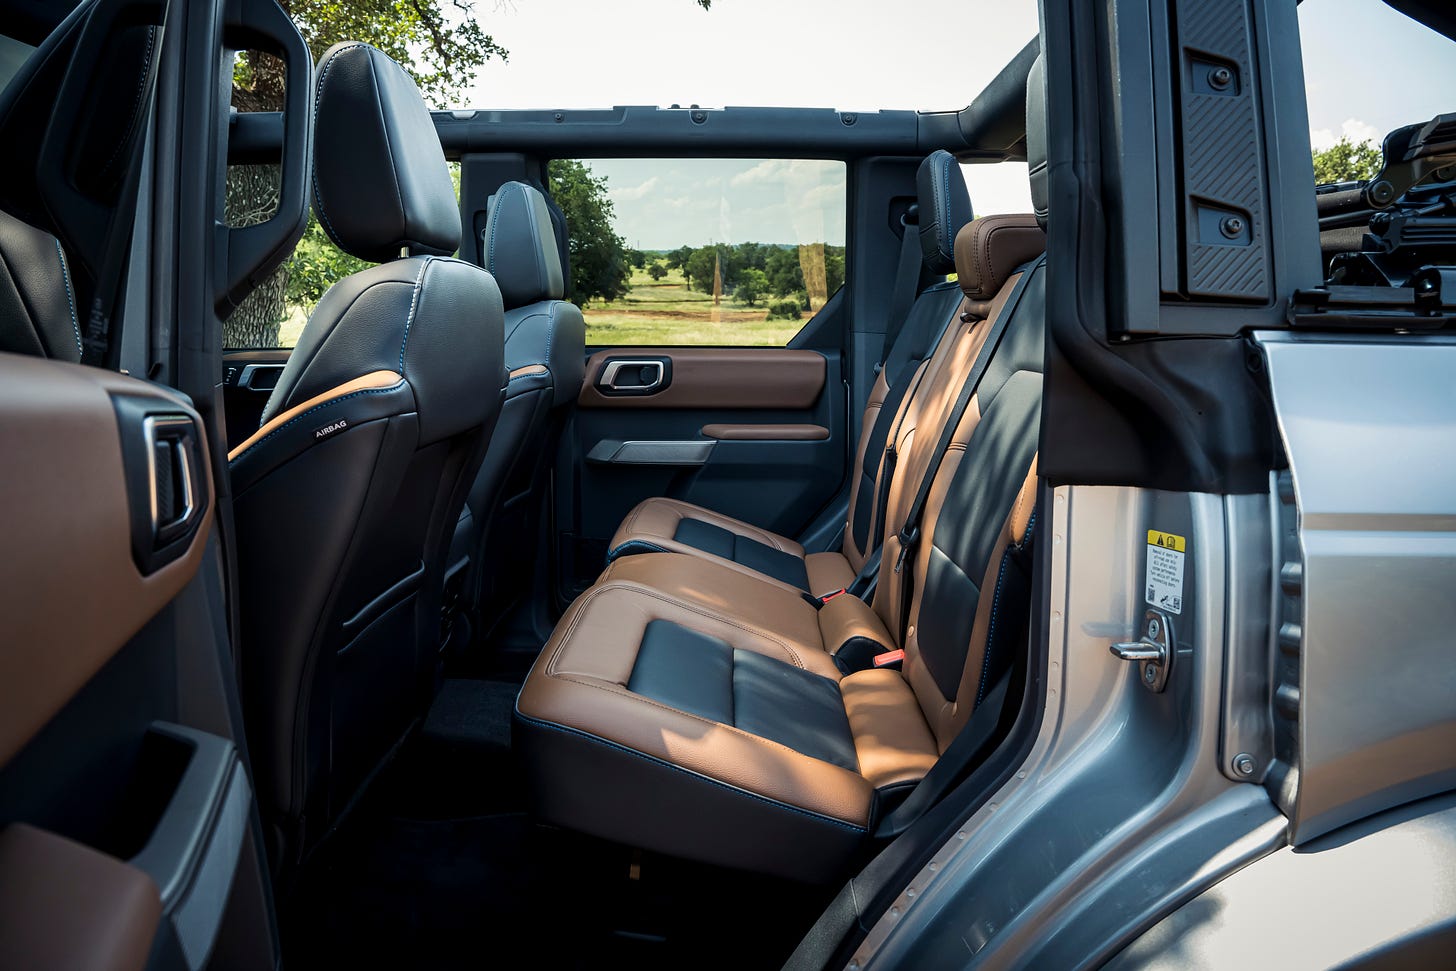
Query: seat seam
{"x": 845, "y": 824}
{"x": 649, "y": 592}
{"x": 70, "y": 299}
{"x": 613, "y": 688}
{"x": 299, "y": 417}
{"x": 414, "y": 302}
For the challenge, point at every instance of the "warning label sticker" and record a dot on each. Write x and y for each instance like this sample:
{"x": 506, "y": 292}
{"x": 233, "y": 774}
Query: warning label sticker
{"x": 1164, "y": 587}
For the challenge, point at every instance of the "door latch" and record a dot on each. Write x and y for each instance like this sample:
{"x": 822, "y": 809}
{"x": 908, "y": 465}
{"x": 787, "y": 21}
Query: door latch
{"x": 1153, "y": 653}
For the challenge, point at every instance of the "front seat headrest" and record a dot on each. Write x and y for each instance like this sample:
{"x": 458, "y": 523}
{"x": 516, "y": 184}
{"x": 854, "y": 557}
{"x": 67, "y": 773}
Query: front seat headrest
{"x": 1036, "y": 137}
{"x": 520, "y": 246}
{"x": 37, "y": 304}
{"x": 945, "y": 207}
{"x": 380, "y": 181}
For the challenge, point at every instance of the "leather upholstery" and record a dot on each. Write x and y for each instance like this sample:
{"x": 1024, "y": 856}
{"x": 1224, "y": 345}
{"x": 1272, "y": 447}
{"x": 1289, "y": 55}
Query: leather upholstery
{"x": 520, "y": 246}
{"x": 37, "y": 303}
{"x": 347, "y": 497}
{"x": 994, "y": 248}
{"x": 412, "y": 316}
{"x": 1036, "y": 137}
{"x": 545, "y": 350}
{"x": 635, "y": 693}
{"x": 944, "y": 208}
{"x": 380, "y": 180}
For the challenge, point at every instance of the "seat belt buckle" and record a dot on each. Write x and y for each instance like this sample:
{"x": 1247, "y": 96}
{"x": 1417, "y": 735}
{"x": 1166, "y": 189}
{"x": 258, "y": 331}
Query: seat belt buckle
{"x": 890, "y": 659}
{"x": 908, "y": 537}
{"x": 819, "y": 602}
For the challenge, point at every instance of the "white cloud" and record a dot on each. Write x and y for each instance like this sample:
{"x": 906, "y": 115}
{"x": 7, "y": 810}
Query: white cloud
{"x": 1354, "y": 129}
{"x": 634, "y": 192}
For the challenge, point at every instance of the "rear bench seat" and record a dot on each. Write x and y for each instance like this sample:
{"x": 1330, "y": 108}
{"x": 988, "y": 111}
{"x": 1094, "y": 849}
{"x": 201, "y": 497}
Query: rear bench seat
{"x": 670, "y": 525}
{"x": 687, "y": 706}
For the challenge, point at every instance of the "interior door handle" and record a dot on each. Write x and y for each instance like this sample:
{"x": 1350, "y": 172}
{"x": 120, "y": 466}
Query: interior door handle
{"x": 633, "y": 377}
{"x": 163, "y": 452}
{"x": 172, "y": 482}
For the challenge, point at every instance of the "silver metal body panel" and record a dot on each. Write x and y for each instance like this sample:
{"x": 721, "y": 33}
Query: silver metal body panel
{"x": 1369, "y": 426}
{"x": 1120, "y": 812}
{"x": 1333, "y": 903}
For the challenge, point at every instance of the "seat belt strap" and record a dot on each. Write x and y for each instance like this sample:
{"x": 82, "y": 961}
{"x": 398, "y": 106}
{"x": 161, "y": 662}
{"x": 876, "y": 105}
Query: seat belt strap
{"x": 907, "y": 282}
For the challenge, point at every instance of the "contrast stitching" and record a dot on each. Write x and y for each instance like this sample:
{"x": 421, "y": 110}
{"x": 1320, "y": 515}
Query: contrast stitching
{"x": 317, "y": 96}
{"x": 627, "y": 547}
{"x": 688, "y": 772}
{"x": 70, "y": 300}
{"x": 991, "y": 632}
{"x": 495, "y": 222}
{"x": 137, "y": 101}
{"x": 586, "y": 598}
{"x": 333, "y": 401}
{"x": 414, "y": 302}
{"x": 621, "y": 692}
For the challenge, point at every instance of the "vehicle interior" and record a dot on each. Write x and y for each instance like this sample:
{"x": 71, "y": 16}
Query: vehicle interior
{"x": 433, "y": 627}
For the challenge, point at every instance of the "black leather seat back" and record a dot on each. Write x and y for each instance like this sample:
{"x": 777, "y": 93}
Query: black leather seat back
{"x": 545, "y": 348}
{"x": 347, "y": 497}
{"x": 37, "y": 302}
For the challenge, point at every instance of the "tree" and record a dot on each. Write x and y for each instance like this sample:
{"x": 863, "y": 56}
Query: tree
{"x": 678, "y": 258}
{"x": 637, "y": 258}
{"x": 752, "y": 284}
{"x": 439, "y": 42}
{"x": 1347, "y": 161}
{"x": 785, "y": 275}
{"x": 657, "y": 271}
{"x": 599, "y": 260}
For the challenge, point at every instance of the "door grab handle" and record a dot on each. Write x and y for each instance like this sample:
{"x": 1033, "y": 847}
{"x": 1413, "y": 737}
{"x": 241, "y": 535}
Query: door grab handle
{"x": 249, "y": 378}
{"x": 613, "y": 369}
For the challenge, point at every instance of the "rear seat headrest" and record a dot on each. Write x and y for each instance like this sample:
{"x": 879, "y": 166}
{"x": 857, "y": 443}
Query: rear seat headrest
{"x": 945, "y": 207}
{"x": 380, "y": 180}
{"x": 990, "y": 249}
{"x": 520, "y": 246}
{"x": 1036, "y": 137}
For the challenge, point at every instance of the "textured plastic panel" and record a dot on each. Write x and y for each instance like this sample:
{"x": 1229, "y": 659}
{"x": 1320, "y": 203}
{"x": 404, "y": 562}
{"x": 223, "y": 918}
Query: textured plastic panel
{"x": 1225, "y": 198}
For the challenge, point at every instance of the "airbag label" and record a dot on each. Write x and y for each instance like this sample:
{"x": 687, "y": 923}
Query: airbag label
{"x": 1164, "y": 587}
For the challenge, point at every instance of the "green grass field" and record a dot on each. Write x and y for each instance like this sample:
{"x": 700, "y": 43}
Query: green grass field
{"x": 666, "y": 312}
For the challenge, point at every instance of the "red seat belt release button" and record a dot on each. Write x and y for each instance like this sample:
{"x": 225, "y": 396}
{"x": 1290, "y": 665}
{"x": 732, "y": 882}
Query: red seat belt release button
{"x": 888, "y": 658}
{"x": 830, "y": 596}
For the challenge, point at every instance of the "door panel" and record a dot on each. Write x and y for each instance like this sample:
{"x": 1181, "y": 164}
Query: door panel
{"x": 112, "y": 640}
{"x": 730, "y": 378}
{"x": 754, "y": 433}
{"x": 248, "y": 378}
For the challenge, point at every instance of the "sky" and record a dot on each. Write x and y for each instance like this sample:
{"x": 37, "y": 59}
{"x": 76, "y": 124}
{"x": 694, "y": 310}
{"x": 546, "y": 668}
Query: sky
{"x": 860, "y": 55}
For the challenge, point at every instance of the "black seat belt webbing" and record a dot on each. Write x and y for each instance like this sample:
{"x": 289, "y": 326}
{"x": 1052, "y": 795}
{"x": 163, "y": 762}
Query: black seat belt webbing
{"x": 907, "y": 282}
{"x": 909, "y": 535}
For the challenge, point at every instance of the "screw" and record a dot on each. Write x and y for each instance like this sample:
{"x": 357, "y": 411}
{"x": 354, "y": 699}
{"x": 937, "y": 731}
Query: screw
{"x": 699, "y": 117}
{"x": 1244, "y": 764}
{"x": 849, "y": 119}
{"x": 559, "y": 116}
{"x": 1153, "y": 628}
{"x": 1150, "y": 673}
{"x": 1220, "y": 77}
{"x": 1231, "y": 227}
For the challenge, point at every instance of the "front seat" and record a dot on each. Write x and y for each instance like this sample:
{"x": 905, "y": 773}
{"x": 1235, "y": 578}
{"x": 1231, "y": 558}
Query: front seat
{"x": 546, "y": 360}
{"x": 347, "y": 496}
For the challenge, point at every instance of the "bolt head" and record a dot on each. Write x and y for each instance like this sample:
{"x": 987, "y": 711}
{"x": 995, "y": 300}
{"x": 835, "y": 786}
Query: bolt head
{"x": 1231, "y": 227}
{"x": 1220, "y": 77}
{"x": 1150, "y": 673}
{"x": 1244, "y": 764}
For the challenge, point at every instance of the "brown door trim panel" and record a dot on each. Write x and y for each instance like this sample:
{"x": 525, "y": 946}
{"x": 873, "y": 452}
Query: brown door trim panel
{"x": 64, "y": 905}
{"x": 71, "y": 590}
{"x": 726, "y": 432}
{"x": 714, "y": 377}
